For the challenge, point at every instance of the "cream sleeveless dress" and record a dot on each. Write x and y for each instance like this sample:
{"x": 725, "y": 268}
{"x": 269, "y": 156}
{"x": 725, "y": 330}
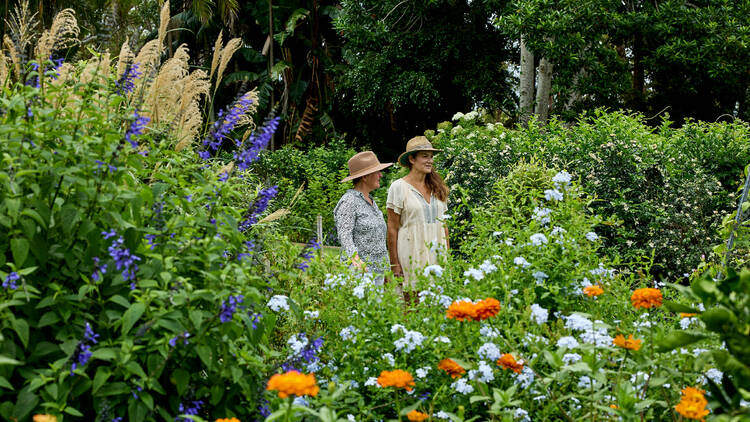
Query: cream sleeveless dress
{"x": 421, "y": 236}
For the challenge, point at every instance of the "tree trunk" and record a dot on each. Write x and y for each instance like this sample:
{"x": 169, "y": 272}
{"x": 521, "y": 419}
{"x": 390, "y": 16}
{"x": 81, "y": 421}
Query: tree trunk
{"x": 526, "y": 86}
{"x": 543, "y": 90}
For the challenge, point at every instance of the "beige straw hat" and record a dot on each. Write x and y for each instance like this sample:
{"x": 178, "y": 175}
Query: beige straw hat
{"x": 364, "y": 163}
{"x": 415, "y": 144}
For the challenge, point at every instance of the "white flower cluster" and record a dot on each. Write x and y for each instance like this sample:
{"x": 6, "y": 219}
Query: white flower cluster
{"x": 410, "y": 341}
{"x": 520, "y": 261}
{"x": 439, "y": 299}
{"x": 349, "y": 333}
{"x": 569, "y": 358}
{"x": 538, "y": 239}
{"x": 542, "y": 215}
{"x": 489, "y": 351}
{"x": 422, "y": 372}
{"x": 487, "y": 266}
{"x": 562, "y": 180}
{"x": 553, "y": 195}
{"x": 540, "y": 276}
{"x": 390, "y": 359}
{"x": 475, "y": 273}
{"x": 433, "y": 269}
{"x": 567, "y": 342}
{"x": 525, "y": 378}
{"x": 312, "y": 314}
{"x": 462, "y": 386}
{"x": 483, "y": 373}
{"x": 592, "y": 237}
{"x": 521, "y": 414}
{"x": 489, "y": 332}
{"x": 278, "y": 302}
{"x": 442, "y": 339}
{"x": 539, "y": 314}
{"x": 686, "y": 322}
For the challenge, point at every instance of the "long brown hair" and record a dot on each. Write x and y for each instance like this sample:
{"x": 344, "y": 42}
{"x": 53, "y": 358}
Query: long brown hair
{"x": 435, "y": 184}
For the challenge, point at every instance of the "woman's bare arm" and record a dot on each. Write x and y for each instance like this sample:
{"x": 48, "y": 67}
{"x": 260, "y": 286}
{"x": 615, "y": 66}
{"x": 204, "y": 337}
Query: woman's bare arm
{"x": 394, "y": 223}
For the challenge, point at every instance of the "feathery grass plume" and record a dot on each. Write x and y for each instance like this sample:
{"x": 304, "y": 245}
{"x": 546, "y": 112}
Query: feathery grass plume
{"x": 15, "y": 58}
{"x": 4, "y": 69}
{"x": 97, "y": 67}
{"x": 217, "y": 54}
{"x": 189, "y": 126}
{"x": 62, "y": 34}
{"x": 279, "y": 213}
{"x": 226, "y": 54}
{"x": 227, "y": 168}
{"x": 166, "y": 90}
{"x": 189, "y": 117}
{"x": 22, "y": 28}
{"x": 124, "y": 59}
{"x": 148, "y": 56}
{"x": 164, "y": 19}
{"x": 246, "y": 119}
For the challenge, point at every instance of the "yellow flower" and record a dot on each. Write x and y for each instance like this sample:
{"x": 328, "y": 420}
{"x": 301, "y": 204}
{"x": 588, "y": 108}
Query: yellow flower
{"x": 593, "y": 291}
{"x": 415, "y": 415}
{"x": 687, "y": 315}
{"x": 452, "y": 368}
{"x": 293, "y": 383}
{"x": 692, "y": 404}
{"x": 397, "y": 378}
{"x": 627, "y": 343}
{"x": 507, "y": 361}
{"x": 227, "y": 420}
{"x": 614, "y": 406}
{"x": 45, "y": 418}
{"x": 486, "y": 308}
{"x": 646, "y": 298}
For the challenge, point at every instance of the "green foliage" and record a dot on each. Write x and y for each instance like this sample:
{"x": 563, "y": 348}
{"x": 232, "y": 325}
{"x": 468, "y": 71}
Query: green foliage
{"x": 136, "y": 244}
{"x": 667, "y": 189}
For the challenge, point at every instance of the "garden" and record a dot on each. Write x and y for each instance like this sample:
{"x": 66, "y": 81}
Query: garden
{"x": 159, "y": 257}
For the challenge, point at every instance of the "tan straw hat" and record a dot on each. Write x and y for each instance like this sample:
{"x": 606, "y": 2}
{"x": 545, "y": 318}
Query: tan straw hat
{"x": 415, "y": 144}
{"x": 364, "y": 163}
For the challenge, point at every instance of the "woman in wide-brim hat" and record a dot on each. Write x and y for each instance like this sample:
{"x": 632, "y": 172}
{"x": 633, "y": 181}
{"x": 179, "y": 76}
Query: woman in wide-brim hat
{"x": 359, "y": 222}
{"x": 416, "y": 207}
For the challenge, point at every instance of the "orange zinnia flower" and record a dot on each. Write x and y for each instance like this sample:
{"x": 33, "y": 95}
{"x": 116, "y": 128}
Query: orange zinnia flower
{"x": 397, "y": 378}
{"x": 627, "y": 343}
{"x": 293, "y": 383}
{"x": 227, "y": 420}
{"x": 486, "y": 308}
{"x": 593, "y": 291}
{"x": 45, "y": 418}
{"x": 646, "y": 298}
{"x": 415, "y": 415}
{"x": 687, "y": 315}
{"x": 452, "y": 368}
{"x": 507, "y": 361}
{"x": 692, "y": 404}
{"x": 462, "y": 310}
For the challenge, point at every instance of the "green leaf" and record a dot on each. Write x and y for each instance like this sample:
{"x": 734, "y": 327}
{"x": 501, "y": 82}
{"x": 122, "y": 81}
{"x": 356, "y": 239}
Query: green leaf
{"x": 68, "y": 217}
{"x": 718, "y": 319}
{"x": 679, "y": 307}
{"x": 113, "y": 389}
{"x": 474, "y": 399}
{"x": 131, "y": 316}
{"x": 13, "y": 206}
{"x": 26, "y": 402}
{"x": 5, "y": 384}
{"x": 105, "y": 353}
{"x": 21, "y": 327}
{"x": 4, "y": 360}
{"x": 101, "y": 377}
{"x": 48, "y": 318}
{"x": 408, "y": 409}
{"x": 677, "y": 339}
{"x": 72, "y": 411}
{"x": 181, "y": 380}
{"x": 20, "y": 249}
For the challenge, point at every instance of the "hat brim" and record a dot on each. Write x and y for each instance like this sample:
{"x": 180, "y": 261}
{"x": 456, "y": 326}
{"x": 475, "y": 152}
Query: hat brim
{"x": 365, "y": 172}
{"x": 403, "y": 159}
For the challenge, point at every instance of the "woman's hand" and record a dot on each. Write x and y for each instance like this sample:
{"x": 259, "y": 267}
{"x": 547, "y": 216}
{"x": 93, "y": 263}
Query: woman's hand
{"x": 397, "y": 271}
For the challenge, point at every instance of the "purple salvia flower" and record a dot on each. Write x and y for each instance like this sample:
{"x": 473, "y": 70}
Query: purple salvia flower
{"x": 10, "y": 281}
{"x": 109, "y": 234}
{"x": 89, "y": 334}
{"x": 258, "y": 207}
{"x": 184, "y": 336}
{"x": 124, "y": 260}
{"x": 307, "y": 254}
{"x": 255, "y": 143}
{"x": 136, "y": 128}
{"x": 83, "y": 353}
{"x": 150, "y": 239}
{"x": 225, "y": 122}
{"x": 229, "y": 307}
{"x": 125, "y": 84}
{"x": 99, "y": 270}
{"x": 192, "y": 408}
{"x": 255, "y": 319}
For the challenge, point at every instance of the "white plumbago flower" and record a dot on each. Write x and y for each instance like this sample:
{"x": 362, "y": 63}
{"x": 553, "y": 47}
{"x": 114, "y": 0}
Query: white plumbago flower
{"x": 598, "y": 337}
{"x": 639, "y": 379}
{"x": 701, "y": 307}
{"x": 278, "y": 302}
{"x": 592, "y": 237}
{"x": 520, "y": 261}
{"x": 372, "y": 381}
{"x": 433, "y": 269}
{"x": 604, "y": 272}
{"x": 539, "y": 314}
{"x": 397, "y": 327}
{"x": 334, "y": 280}
{"x": 350, "y": 418}
{"x": 312, "y": 314}
{"x": 569, "y": 358}
{"x": 497, "y": 233}
{"x": 685, "y": 322}
{"x": 442, "y": 339}
{"x": 562, "y": 179}
{"x": 540, "y": 276}
{"x": 487, "y": 331}
{"x": 444, "y": 217}
{"x": 359, "y": 291}
{"x": 698, "y": 351}
{"x": 462, "y": 386}
{"x": 483, "y": 373}
{"x": 389, "y": 357}
{"x": 542, "y": 215}
{"x": 409, "y": 341}
{"x": 422, "y": 372}
{"x": 489, "y": 351}
{"x": 487, "y": 266}
{"x": 296, "y": 343}
{"x": 525, "y": 378}
{"x": 744, "y": 403}
{"x": 299, "y": 401}
{"x": 521, "y": 414}
{"x": 577, "y": 322}
{"x": 568, "y": 342}
{"x": 457, "y": 116}
{"x": 442, "y": 415}
{"x": 473, "y": 272}
{"x": 445, "y": 301}
{"x": 349, "y": 333}
{"x": 530, "y": 338}
{"x": 558, "y": 231}
{"x": 538, "y": 239}
{"x": 714, "y": 375}
{"x": 353, "y": 384}
{"x": 587, "y": 382}
{"x": 553, "y": 194}
{"x": 509, "y": 241}
{"x": 471, "y": 115}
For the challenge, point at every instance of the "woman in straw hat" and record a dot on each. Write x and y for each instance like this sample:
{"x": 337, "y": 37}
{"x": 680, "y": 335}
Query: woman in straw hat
{"x": 416, "y": 204}
{"x": 359, "y": 222}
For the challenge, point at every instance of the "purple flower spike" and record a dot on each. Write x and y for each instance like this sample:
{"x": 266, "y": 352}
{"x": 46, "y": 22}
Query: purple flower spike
{"x": 225, "y": 122}
{"x": 229, "y": 307}
{"x": 136, "y": 128}
{"x": 258, "y": 207}
{"x": 10, "y": 281}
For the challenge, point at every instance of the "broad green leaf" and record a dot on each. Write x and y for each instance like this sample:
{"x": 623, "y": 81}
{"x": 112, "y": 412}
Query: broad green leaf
{"x": 113, "y": 389}
{"x": 4, "y": 360}
{"x": 131, "y": 316}
{"x": 5, "y": 384}
{"x": 72, "y": 411}
{"x": 679, "y": 307}
{"x": 20, "y": 249}
{"x": 718, "y": 318}
{"x": 21, "y": 327}
{"x": 25, "y": 403}
{"x": 105, "y": 353}
{"x": 677, "y": 339}
{"x": 182, "y": 380}
{"x": 101, "y": 377}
